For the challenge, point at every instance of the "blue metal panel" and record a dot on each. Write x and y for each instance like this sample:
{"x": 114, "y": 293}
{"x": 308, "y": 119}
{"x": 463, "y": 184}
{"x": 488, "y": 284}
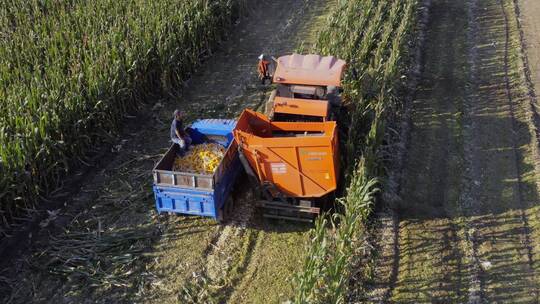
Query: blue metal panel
{"x": 186, "y": 201}
{"x": 197, "y": 202}
{"x": 215, "y": 127}
{"x": 223, "y": 189}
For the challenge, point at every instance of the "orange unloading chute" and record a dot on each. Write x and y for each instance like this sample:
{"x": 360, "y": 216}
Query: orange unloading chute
{"x": 299, "y": 158}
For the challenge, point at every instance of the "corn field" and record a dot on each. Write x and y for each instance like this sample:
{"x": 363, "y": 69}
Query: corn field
{"x": 70, "y": 71}
{"x": 372, "y": 36}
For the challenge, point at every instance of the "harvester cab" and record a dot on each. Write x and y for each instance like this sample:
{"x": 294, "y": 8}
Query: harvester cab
{"x": 308, "y": 88}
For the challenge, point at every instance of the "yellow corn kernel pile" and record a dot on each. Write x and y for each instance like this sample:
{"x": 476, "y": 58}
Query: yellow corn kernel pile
{"x": 201, "y": 159}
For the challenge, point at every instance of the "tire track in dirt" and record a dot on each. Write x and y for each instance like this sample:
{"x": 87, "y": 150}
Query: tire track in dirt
{"x": 526, "y": 66}
{"x": 385, "y": 240}
{"x": 464, "y": 231}
{"x": 497, "y": 162}
{"x": 526, "y": 236}
{"x": 468, "y": 199}
{"x": 526, "y": 21}
{"x": 425, "y": 235}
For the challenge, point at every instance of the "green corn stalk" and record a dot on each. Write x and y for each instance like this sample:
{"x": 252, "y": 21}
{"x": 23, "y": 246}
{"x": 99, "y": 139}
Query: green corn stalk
{"x": 372, "y": 36}
{"x": 69, "y": 70}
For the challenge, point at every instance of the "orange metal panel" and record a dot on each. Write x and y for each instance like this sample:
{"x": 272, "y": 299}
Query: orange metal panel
{"x": 299, "y": 106}
{"x": 309, "y": 70}
{"x": 299, "y": 158}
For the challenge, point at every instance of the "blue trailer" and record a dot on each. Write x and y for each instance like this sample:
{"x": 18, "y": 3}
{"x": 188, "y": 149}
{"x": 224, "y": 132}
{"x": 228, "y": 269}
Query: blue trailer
{"x": 199, "y": 194}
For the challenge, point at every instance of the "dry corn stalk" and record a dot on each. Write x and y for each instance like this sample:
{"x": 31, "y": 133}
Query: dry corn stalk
{"x": 201, "y": 159}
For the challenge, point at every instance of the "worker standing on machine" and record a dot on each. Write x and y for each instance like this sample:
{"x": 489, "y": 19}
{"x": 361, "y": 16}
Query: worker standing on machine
{"x": 178, "y": 134}
{"x": 264, "y": 69}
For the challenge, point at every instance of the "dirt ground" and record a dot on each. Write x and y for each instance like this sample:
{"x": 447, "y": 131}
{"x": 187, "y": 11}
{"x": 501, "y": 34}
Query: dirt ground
{"x": 467, "y": 229}
{"x": 107, "y": 245}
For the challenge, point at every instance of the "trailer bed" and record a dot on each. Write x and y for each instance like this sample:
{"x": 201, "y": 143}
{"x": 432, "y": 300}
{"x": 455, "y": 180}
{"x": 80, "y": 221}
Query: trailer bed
{"x": 198, "y": 194}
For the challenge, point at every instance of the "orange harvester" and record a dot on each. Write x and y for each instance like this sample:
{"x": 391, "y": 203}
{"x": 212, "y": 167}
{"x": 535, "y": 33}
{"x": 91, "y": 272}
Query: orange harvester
{"x": 307, "y": 88}
{"x": 292, "y": 159}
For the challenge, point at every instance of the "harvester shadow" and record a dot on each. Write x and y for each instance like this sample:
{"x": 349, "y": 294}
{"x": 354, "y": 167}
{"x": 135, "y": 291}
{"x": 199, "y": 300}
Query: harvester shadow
{"x": 246, "y": 214}
{"x": 257, "y": 221}
{"x": 188, "y": 226}
{"x": 281, "y": 226}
